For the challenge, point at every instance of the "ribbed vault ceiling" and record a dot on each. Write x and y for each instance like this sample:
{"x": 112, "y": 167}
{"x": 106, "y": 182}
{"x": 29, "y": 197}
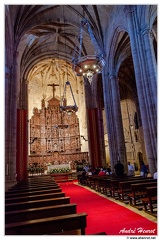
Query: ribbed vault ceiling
{"x": 48, "y": 31}
{"x": 45, "y": 33}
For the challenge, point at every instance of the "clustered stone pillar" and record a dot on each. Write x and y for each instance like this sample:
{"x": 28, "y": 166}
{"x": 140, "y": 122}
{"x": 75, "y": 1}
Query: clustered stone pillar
{"x": 95, "y": 127}
{"x": 98, "y": 93}
{"x": 10, "y": 126}
{"x": 101, "y": 136}
{"x": 118, "y": 120}
{"x": 146, "y": 75}
{"x": 114, "y": 119}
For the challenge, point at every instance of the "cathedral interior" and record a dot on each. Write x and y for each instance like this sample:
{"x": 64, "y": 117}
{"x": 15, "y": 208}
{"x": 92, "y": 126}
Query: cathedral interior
{"x": 80, "y": 86}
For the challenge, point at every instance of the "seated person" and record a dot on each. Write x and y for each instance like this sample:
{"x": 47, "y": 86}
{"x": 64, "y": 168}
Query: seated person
{"x": 108, "y": 172}
{"x": 89, "y": 172}
{"x": 82, "y": 177}
{"x": 155, "y": 175}
{"x": 119, "y": 169}
{"x": 96, "y": 171}
{"x": 143, "y": 170}
{"x": 130, "y": 169}
{"x": 102, "y": 172}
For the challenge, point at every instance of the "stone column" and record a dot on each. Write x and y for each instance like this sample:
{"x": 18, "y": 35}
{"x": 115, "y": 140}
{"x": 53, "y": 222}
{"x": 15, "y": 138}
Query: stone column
{"x": 10, "y": 124}
{"x": 118, "y": 119}
{"x": 150, "y": 79}
{"x": 88, "y": 104}
{"x": 114, "y": 119}
{"x": 141, "y": 135}
{"x": 101, "y": 136}
{"x": 111, "y": 130}
{"x": 151, "y": 67}
{"x": 145, "y": 73}
{"x": 94, "y": 126}
{"x": 97, "y": 87}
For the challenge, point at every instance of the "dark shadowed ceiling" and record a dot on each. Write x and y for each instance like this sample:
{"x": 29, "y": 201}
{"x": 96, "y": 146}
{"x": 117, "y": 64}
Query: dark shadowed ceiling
{"x": 53, "y": 31}
{"x": 47, "y": 32}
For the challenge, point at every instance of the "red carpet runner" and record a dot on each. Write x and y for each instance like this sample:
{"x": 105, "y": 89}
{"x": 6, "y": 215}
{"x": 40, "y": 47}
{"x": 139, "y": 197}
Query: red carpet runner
{"x": 107, "y": 216}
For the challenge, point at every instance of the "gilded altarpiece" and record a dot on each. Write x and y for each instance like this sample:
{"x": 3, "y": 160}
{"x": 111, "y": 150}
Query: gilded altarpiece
{"x": 55, "y": 136}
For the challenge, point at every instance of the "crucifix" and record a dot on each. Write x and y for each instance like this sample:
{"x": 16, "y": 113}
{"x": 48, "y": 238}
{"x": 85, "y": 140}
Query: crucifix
{"x": 53, "y": 86}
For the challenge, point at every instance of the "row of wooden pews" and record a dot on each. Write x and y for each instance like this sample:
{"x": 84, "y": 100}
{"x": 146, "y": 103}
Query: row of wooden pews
{"x": 150, "y": 201}
{"x": 137, "y": 191}
{"x": 127, "y": 189}
{"x": 38, "y": 206}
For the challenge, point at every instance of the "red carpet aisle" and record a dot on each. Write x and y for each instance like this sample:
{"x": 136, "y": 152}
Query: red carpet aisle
{"x": 107, "y": 216}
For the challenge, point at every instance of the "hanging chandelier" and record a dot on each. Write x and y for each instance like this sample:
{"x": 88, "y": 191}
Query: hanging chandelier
{"x": 69, "y": 109}
{"x": 88, "y": 65}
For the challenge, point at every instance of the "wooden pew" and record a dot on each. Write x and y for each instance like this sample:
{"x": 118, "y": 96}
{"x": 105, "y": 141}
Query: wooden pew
{"x": 48, "y": 226}
{"x": 138, "y": 191}
{"x": 106, "y": 185}
{"x": 31, "y": 193}
{"x": 34, "y": 185}
{"x": 31, "y": 189}
{"x": 92, "y": 181}
{"x": 86, "y": 181}
{"x": 34, "y": 197}
{"x": 100, "y": 183}
{"x": 125, "y": 187}
{"x": 114, "y": 186}
{"x": 103, "y": 183}
{"x": 110, "y": 184}
{"x": 38, "y": 178}
{"x": 150, "y": 199}
{"x": 42, "y": 212}
{"x": 32, "y": 208}
{"x": 35, "y": 180}
{"x": 36, "y": 203}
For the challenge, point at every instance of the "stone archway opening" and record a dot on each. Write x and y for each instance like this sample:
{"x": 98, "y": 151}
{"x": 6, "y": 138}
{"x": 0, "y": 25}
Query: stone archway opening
{"x": 55, "y": 137}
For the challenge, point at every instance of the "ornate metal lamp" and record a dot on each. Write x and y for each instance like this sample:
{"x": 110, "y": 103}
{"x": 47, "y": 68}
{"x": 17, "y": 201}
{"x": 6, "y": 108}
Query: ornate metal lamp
{"x": 88, "y": 66}
{"x": 91, "y": 64}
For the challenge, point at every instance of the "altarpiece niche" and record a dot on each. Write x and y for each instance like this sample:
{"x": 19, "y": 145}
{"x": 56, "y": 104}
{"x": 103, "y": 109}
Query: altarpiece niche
{"x": 55, "y": 136}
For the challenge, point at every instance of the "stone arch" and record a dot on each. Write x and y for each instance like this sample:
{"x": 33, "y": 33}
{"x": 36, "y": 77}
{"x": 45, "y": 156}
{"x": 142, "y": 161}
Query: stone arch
{"x": 147, "y": 15}
{"x": 121, "y": 50}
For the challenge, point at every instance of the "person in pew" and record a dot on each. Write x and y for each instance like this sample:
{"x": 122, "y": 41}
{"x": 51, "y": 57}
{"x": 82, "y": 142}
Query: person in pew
{"x": 155, "y": 175}
{"x": 130, "y": 169}
{"x": 143, "y": 170}
{"x": 89, "y": 173}
{"x": 96, "y": 171}
{"x": 86, "y": 168}
{"x": 102, "y": 172}
{"x": 119, "y": 169}
{"x": 108, "y": 170}
{"x": 82, "y": 177}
